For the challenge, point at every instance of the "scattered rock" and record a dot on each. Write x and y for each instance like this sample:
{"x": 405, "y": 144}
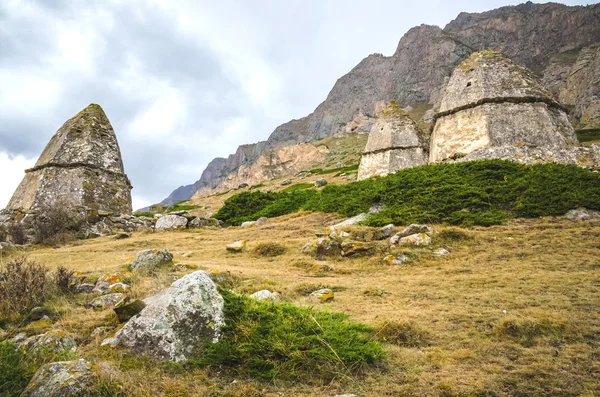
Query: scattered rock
{"x": 107, "y": 300}
{"x": 418, "y": 239}
{"x": 85, "y": 288}
{"x": 441, "y": 252}
{"x": 412, "y": 229}
{"x": 582, "y": 214}
{"x": 150, "y": 260}
{"x": 171, "y": 222}
{"x": 177, "y": 322}
{"x": 265, "y": 294}
{"x": 218, "y": 276}
{"x": 101, "y": 287}
{"x": 127, "y": 308}
{"x": 200, "y": 222}
{"x": 322, "y": 295}
{"x": 238, "y": 246}
{"x": 262, "y": 221}
{"x": 55, "y": 341}
{"x": 358, "y": 218}
{"x": 110, "y": 278}
{"x": 322, "y": 246}
{"x": 286, "y": 182}
{"x": 356, "y": 248}
{"x": 385, "y": 232}
{"x": 394, "y": 260}
{"x": 118, "y": 287}
{"x": 60, "y": 379}
{"x": 187, "y": 254}
{"x": 320, "y": 182}
{"x": 248, "y": 223}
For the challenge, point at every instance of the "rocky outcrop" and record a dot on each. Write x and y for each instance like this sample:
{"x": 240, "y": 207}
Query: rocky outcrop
{"x": 81, "y": 167}
{"x": 492, "y": 102}
{"x": 416, "y": 73}
{"x": 395, "y": 142}
{"x": 175, "y": 324}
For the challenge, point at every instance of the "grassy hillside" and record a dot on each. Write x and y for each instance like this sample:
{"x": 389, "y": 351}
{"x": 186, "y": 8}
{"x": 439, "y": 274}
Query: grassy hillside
{"x": 470, "y": 193}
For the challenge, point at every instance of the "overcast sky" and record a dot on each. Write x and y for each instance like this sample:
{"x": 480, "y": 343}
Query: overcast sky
{"x": 183, "y": 81}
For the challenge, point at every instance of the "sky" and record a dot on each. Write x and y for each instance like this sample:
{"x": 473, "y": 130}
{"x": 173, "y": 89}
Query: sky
{"x": 184, "y": 81}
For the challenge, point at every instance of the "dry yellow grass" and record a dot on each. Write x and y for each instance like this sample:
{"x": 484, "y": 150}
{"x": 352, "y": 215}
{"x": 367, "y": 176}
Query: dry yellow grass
{"x": 484, "y": 309}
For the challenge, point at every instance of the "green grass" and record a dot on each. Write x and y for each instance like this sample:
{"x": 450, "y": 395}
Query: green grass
{"x": 470, "y": 193}
{"x": 282, "y": 341}
{"x": 298, "y": 186}
{"x": 588, "y": 135}
{"x": 340, "y": 170}
{"x": 144, "y": 213}
{"x": 17, "y": 366}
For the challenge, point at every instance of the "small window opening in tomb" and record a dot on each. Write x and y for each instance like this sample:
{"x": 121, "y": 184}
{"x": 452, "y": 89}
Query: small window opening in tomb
{"x": 381, "y": 128}
{"x": 469, "y": 84}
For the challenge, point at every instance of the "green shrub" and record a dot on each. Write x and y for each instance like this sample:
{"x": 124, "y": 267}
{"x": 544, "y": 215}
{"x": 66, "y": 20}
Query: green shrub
{"x": 470, "y": 193}
{"x": 269, "y": 341}
{"x": 147, "y": 213}
{"x": 588, "y": 135}
{"x": 298, "y": 186}
{"x": 269, "y": 249}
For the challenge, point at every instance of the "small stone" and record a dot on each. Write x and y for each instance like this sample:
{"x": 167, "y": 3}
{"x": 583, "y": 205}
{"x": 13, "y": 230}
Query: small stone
{"x": 187, "y": 254}
{"x": 117, "y": 287}
{"x": 385, "y": 232}
{"x": 286, "y": 182}
{"x": 200, "y": 222}
{"x": 238, "y": 246}
{"x": 248, "y": 224}
{"x": 413, "y": 229}
{"x": 395, "y": 260}
{"x": 127, "y": 308}
{"x": 101, "y": 287}
{"x": 150, "y": 260}
{"x": 356, "y": 248}
{"x": 582, "y": 214}
{"x": 106, "y": 301}
{"x": 85, "y": 288}
{"x": 320, "y": 182}
{"x": 441, "y": 252}
{"x": 261, "y": 221}
{"x": 265, "y": 294}
{"x": 322, "y": 295}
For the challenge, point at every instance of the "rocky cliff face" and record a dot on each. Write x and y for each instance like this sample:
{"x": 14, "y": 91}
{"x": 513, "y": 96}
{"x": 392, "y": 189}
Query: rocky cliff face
{"x": 540, "y": 36}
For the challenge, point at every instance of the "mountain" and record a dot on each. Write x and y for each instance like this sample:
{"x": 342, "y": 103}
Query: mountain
{"x": 558, "y": 42}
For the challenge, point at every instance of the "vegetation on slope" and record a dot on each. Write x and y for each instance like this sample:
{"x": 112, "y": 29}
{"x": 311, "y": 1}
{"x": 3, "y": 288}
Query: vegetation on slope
{"x": 269, "y": 341}
{"x": 470, "y": 193}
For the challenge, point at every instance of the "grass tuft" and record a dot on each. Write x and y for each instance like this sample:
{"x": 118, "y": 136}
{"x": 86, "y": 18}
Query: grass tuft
{"x": 269, "y": 249}
{"x": 401, "y": 333}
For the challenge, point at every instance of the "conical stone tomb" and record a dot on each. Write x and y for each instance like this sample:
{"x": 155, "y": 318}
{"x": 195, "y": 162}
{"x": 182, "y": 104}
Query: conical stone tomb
{"x": 395, "y": 142}
{"x": 496, "y": 108}
{"x": 80, "y": 168}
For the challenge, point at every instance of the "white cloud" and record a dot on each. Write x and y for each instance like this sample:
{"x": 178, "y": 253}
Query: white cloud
{"x": 11, "y": 172}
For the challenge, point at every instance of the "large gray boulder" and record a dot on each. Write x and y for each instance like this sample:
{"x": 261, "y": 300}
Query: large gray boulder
{"x": 176, "y": 323}
{"x": 582, "y": 214}
{"x": 171, "y": 222}
{"x": 150, "y": 260}
{"x": 199, "y": 222}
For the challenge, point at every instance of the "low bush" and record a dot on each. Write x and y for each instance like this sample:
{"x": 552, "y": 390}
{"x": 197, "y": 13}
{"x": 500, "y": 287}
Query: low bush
{"x": 23, "y": 285}
{"x": 269, "y": 249}
{"x": 469, "y": 193}
{"x": 268, "y": 341}
{"x": 401, "y": 333}
{"x": 66, "y": 280}
{"x": 16, "y": 232}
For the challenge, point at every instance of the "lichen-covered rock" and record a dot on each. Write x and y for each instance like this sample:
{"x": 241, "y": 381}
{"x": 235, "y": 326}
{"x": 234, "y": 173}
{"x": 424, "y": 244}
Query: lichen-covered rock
{"x": 171, "y": 222}
{"x": 54, "y": 341}
{"x": 410, "y": 229}
{"x": 395, "y": 260}
{"x": 200, "y": 222}
{"x": 320, "y": 182}
{"x": 384, "y": 232}
{"x": 582, "y": 214}
{"x": 219, "y": 276}
{"x": 357, "y": 248}
{"x": 322, "y": 295}
{"x": 85, "y": 288}
{"x": 110, "y": 278}
{"x": 237, "y": 246}
{"x": 176, "y": 323}
{"x": 150, "y": 260}
{"x": 106, "y": 301}
{"x": 127, "y": 308}
{"x": 395, "y": 142}
{"x": 60, "y": 379}
{"x": 492, "y": 102}
{"x": 265, "y": 295}
{"x": 81, "y": 166}
{"x": 321, "y": 247}
{"x": 100, "y": 287}
{"x": 118, "y": 287}
{"x": 418, "y": 239}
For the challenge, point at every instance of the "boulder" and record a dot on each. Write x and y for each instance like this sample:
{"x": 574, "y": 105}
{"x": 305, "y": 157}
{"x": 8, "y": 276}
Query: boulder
{"x": 150, "y": 260}
{"x": 582, "y": 214}
{"x": 265, "y": 294}
{"x": 248, "y": 223}
{"x": 54, "y": 341}
{"x": 321, "y": 296}
{"x": 127, "y": 308}
{"x": 171, "y": 222}
{"x": 200, "y": 222}
{"x": 262, "y": 221}
{"x": 100, "y": 287}
{"x": 395, "y": 260}
{"x": 385, "y": 232}
{"x": 60, "y": 379}
{"x": 286, "y": 182}
{"x": 320, "y": 182}
{"x": 106, "y": 301}
{"x": 118, "y": 287}
{"x": 85, "y": 288}
{"x": 414, "y": 228}
{"x": 356, "y": 248}
{"x": 238, "y": 246}
{"x": 176, "y": 323}
{"x": 321, "y": 247}
{"x": 358, "y": 218}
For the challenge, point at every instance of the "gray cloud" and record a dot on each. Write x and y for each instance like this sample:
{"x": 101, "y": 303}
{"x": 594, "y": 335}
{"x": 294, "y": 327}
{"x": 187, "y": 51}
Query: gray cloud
{"x": 184, "y": 82}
